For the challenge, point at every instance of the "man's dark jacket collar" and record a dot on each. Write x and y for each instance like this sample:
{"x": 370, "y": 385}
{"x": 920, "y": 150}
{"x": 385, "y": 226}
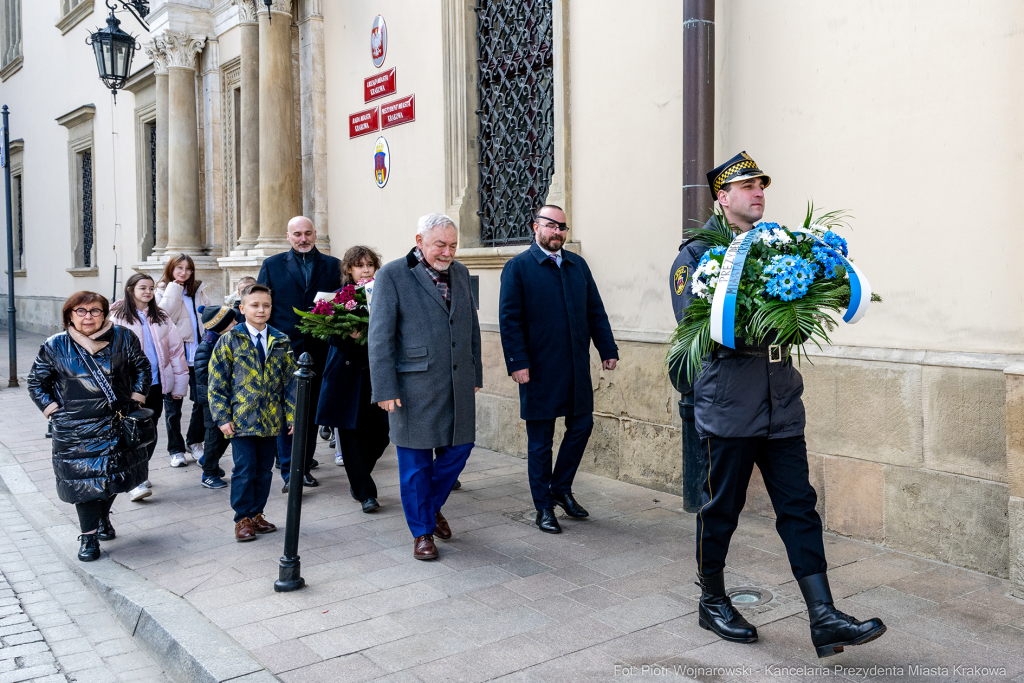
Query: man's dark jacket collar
{"x": 291, "y": 261}
{"x": 538, "y": 253}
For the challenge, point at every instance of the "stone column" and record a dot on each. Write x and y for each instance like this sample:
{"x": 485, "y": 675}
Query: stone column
{"x": 184, "y": 230}
{"x": 156, "y": 52}
{"x": 279, "y": 182}
{"x": 313, "y": 118}
{"x": 249, "y": 31}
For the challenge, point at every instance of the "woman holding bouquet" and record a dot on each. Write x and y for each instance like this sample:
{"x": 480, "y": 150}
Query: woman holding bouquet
{"x": 362, "y": 427}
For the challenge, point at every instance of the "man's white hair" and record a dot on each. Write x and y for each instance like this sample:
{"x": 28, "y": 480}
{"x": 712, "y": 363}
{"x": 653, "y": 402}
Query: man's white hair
{"x": 433, "y": 220}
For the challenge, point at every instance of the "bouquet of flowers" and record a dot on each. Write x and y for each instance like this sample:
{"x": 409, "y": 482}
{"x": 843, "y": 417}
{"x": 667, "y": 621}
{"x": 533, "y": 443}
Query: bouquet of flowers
{"x": 779, "y": 285}
{"x": 347, "y": 312}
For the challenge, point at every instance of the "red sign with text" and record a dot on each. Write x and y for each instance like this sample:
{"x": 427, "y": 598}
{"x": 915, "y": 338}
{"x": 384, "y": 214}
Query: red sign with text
{"x": 363, "y": 122}
{"x": 398, "y": 112}
{"x": 381, "y": 85}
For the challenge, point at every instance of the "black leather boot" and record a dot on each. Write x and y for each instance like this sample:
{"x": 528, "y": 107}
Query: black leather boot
{"x": 831, "y": 630}
{"x": 717, "y": 614}
{"x": 105, "y": 530}
{"x": 90, "y": 548}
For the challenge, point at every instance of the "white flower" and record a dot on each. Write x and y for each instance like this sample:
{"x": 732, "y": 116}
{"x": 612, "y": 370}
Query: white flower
{"x": 781, "y": 236}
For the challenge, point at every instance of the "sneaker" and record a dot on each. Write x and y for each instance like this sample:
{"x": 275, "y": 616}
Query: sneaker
{"x": 339, "y": 460}
{"x": 214, "y": 483}
{"x": 219, "y": 472}
{"x": 197, "y": 451}
{"x": 178, "y": 460}
{"x": 148, "y": 484}
{"x": 139, "y": 492}
{"x": 333, "y": 443}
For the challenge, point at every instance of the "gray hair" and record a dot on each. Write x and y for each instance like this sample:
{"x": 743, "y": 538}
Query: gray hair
{"x": 433, "y": 220}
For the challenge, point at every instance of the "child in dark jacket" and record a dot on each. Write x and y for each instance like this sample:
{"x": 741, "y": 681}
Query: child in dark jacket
{"x": 216, "y": 321}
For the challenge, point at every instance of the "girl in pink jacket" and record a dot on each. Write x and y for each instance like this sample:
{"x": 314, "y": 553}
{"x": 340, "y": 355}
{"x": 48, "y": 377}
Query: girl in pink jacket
{"x": 163, "y": 346}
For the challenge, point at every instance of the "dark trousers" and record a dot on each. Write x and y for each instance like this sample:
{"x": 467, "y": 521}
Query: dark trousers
{"x": 90, "y": 513}
{"x": 362, "y": 448}
{"x": 426, "y": 482}
{"x": 783, "y": 465}
{"x": 196, "y": 427}
{"x": 540, "y": 436}
{"x": 284, "y": 440}
{"x": 215, "y": 444}
{"x": 252, "y": 474}
{"x": 155, "y": 402}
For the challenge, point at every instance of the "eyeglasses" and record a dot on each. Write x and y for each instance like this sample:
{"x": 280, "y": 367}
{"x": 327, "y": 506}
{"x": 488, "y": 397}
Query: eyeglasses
{"x": 91, "y": 312}
{"x": 551, "y": 225}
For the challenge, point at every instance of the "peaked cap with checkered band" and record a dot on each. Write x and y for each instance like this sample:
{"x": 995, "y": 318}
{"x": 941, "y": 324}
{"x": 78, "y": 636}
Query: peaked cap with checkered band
{"x": 739, "y": 167}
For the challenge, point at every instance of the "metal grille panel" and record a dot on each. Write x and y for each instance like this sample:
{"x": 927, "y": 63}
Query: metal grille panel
{"x": 152, "y": 185}
{"x": 516, "y": 93}
{"x": 87, "y": 230}
{"x": 21, "y": 231}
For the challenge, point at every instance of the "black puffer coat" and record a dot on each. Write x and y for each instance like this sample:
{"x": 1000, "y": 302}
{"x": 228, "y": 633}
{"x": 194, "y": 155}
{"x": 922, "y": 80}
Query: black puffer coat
{"x": 86, "y": 458}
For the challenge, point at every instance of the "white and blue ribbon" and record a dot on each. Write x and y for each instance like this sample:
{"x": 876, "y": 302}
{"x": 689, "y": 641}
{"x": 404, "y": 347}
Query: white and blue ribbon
{"x": 723, "y": 305}
{"x": 860, "y": 288}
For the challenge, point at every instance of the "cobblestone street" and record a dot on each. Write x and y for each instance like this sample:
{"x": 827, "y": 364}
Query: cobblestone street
{"x": 504, "y": 601}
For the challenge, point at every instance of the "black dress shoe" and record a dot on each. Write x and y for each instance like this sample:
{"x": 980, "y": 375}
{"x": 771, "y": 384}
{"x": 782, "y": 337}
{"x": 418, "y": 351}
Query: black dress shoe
{"x": 314, "y": 463}
{"x": 90, "y": 548}
{"x": 105, "y": 530}
{"x": 326, "y": 432}
{"x": 457, "y": 485}
{"x": 717, "y": 614}
{"x": 284, "y": 489}
{"x": 569, "y": 504}
{"x": 547, "y": 522}
{"x": 831, "y": 630}
{"x": 370, "y": 504}
{"x": 309, "y": 481}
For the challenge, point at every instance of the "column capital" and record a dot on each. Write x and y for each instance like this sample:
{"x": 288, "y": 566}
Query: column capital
{"x": 246, "y": 11}
{"x": 284, "y": 6}
{"x": 155, "y": 51}
{"x": 180, "y": 48}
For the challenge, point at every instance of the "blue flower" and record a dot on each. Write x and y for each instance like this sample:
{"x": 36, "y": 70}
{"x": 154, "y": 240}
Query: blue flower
{"x": 836, "y": 242}
{"x": 768, "y": 226}
{"x": 790, "y": 277}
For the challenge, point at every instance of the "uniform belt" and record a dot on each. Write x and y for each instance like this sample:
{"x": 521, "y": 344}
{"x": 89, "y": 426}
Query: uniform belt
{"x": 775, "y": 353}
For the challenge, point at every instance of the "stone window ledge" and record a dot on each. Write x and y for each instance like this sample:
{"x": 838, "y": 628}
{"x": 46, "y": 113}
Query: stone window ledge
{"x": 84, "y": 272}
{"x": 11, "y": 68}
{"x": 71, "y": 19}
{"x": 494, "y": 258}
{"x": 20, "y": 272}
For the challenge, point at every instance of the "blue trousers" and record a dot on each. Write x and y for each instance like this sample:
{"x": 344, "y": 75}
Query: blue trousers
{"x": 539, "y": 438}
{"x": 426, "y": 482}
{"x": 783, "y": 465}
{"x": 252, "y": 474}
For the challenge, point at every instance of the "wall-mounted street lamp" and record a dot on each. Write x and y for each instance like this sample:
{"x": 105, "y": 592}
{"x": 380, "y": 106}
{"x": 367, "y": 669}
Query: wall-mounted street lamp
{"x": 115, "y": 48}
{"x": 270, "y": 16}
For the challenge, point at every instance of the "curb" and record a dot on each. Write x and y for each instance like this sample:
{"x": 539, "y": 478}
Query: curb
{"x": 175, "y": 634}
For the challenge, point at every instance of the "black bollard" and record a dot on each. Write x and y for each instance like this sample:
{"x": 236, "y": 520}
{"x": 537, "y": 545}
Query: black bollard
{"x": 694, "y": 462}
{"x": 289, "y": 576}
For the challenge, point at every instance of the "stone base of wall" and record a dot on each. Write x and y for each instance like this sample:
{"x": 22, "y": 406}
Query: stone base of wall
{"x": 903, "y": 453}
{"x": 38, "y": 314}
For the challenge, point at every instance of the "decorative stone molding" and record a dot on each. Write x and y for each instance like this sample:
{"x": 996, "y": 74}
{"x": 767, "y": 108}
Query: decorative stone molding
{"x": 180, "y": 48}
{"x": 11, "y": 68}
{"x": 461, "y": 180}
{"x": 246, "y": 11}
{"x": 155, "y": 50}
{"x": 282, "y": 6}
{"x": 75, "y": 15}
{"x": 310, "y": 9}
{"x": 76, "y": 116}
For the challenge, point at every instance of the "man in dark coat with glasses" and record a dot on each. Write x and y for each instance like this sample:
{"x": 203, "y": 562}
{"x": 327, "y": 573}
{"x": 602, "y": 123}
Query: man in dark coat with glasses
{"x": 549, "y": 312}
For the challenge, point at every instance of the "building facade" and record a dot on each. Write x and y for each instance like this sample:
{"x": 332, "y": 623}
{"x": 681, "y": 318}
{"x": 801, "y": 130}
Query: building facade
{"x": 240, "y": 115}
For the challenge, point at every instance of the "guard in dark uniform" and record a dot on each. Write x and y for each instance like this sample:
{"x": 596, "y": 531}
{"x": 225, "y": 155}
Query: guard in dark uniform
{"x": 748, "y": 411}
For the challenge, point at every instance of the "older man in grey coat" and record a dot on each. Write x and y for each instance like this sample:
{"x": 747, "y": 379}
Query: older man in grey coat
{"x": 425, "y": 368}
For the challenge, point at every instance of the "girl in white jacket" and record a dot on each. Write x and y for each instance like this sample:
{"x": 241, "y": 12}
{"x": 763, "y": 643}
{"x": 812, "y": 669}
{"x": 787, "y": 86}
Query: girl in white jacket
{"x": 163, "y": 346}
{"x": 181, "y": 296}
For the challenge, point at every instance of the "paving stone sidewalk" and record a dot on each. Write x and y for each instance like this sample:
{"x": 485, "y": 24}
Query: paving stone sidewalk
{"x": 610, "y": 596}
{"x": 53, "y": 629}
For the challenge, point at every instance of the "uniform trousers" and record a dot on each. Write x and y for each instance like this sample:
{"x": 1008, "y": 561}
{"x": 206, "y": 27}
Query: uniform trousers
{"x": 426, "y": 482}
{"x": 362, "y": 447}
{"x": 783, "y": 466}
{"x": 252, "y": 474}
{"x": 540, "y": 437}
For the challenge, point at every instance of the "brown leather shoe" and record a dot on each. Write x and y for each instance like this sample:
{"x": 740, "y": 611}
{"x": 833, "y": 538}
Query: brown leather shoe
{"x": 244, "y": 530}
{"x": 424, "y": 548}
{"x": 442, "y": 530}
{"x": 261, "y": 525}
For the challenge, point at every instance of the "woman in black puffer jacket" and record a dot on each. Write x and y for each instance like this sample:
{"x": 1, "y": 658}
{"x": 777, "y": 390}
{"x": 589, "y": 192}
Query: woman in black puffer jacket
{"x": 90, "y": 466}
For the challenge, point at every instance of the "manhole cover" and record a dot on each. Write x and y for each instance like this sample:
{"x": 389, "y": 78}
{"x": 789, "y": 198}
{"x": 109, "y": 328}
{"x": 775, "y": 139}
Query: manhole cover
{"x": 749, "y": 596}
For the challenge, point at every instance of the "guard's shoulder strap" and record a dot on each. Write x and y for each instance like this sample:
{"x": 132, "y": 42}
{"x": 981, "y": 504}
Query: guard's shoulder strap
{"x": 687, "y": 242}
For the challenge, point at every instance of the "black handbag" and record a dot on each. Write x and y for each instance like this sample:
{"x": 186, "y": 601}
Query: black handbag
{"x": 137, "y": 427}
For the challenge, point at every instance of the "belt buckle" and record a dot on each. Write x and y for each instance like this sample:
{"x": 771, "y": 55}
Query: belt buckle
{"x": 774, "y": 353}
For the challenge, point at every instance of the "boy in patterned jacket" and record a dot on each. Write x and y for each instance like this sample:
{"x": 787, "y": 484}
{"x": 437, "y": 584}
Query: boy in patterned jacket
{"x": 252, "y": 397}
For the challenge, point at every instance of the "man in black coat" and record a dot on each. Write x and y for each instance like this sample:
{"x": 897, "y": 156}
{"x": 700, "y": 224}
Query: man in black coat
{"x": 295, "y": 277}
{"x": 549, "y": 311}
